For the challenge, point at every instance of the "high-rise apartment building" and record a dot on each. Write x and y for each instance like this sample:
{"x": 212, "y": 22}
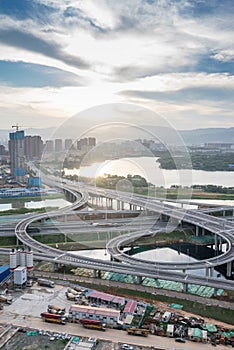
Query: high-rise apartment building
{"x": 49, "y": 146}
{"x": 68, "y": 144}
{"x": 92, "y": 141}
{"x": 33, "y": 147}
{"x": 17, "y": 159}
{"x": 58, "y": 145}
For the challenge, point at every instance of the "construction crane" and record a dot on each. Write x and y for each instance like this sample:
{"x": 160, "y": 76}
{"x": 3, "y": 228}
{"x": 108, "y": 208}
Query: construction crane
{"x": 17, "y": 126}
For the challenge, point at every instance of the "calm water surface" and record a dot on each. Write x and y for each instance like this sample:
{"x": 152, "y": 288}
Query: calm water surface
{"x": 148, "y": 167}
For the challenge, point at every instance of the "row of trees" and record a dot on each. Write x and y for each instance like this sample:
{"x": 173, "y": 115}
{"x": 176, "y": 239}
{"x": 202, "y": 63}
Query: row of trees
{"x": 199, "y": 161}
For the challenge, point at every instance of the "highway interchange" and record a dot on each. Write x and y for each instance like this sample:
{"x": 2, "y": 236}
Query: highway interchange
{"x": 129, "y": 265}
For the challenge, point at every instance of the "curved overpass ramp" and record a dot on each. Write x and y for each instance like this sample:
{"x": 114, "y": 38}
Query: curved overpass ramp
{"x": 133, "y": 267}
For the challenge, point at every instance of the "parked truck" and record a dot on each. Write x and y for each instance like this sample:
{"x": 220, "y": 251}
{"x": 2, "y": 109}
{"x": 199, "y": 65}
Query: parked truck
{"x": 46, "y": 283}
{"x": 71, "y": 296}
{"x": 93, "y": 324}
{"x": 138, "y": 331}
{"x": 53, "y": 309}
{"x": 6, "y": 299}
{"x": 54, "y": 318}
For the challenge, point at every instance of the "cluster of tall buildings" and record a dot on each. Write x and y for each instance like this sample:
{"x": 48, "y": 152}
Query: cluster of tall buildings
{"x": 24, "y": 148}
{"x": 59, "y": 145}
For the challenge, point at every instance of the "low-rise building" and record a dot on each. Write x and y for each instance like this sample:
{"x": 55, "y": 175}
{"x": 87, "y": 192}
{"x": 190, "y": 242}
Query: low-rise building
{"x": 105, "y": 298}
{"x": 130, "y": 308}
{"x": 108, "y": 316}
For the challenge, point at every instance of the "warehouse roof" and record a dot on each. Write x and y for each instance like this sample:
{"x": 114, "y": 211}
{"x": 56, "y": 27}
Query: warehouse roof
{"x": 100, "y": 295}
{"x": 130, "y": 306}
{"x": 94, "y": 310}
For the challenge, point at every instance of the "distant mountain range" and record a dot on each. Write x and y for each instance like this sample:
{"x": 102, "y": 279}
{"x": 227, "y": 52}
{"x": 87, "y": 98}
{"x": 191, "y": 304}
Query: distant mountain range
{"x": 198, "y": 136}
{"x": 190, "y": 137}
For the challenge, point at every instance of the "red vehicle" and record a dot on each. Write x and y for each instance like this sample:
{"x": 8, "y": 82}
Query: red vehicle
{"x": 54, "y": 318}
{"x": 88, "y": 321}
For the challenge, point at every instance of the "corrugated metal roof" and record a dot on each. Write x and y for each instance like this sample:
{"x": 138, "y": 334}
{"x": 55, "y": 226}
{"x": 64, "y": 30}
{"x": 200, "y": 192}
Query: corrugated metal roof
{"x": 118, "y": 300}
{"x": 130, "y": 306}
{"x": 100, "y": 295}
{"x": 4, "y": 268}
{"x": 94, "y": 310}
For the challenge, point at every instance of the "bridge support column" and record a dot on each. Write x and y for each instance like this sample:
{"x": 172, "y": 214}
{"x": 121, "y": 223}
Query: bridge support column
{"x": 99, "y": 274}
{"x": 94, "y": 273}
{"x": 55, "y": 267}
{"x": 122, "y": 205}
{"x": 216, "y": 243}
{"x": 118, "y": 205}
{"x": 185, "y": 287}
{"x": 203, "y": 232}
{"x": 211, "y": 271}
{"x": 229, "y": 269}
{"x": 139, "y": 279}
{"x": 197, "y": 231}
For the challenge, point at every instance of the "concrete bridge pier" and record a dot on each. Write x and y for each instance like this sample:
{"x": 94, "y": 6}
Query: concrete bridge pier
{"x": 197, "y": 231}
{"x": 139, "y": 279}
{"x": 55, "y": 267}
{"x": 209, "y": 271}
{"x": 229, "y": 269}
{"x": 185, "y": 287}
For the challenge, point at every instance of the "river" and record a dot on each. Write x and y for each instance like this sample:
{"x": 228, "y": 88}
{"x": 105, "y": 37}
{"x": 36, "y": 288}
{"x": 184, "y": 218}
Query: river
{"x": 149, "y": 168}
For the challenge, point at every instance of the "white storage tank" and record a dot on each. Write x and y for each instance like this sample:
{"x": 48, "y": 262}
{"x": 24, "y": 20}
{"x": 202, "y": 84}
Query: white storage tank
{"x": 17, "y": 256}
{"x": 20, "y": 275}
{"x": 13, "y": 263}
{"x": 22, "y": 257}
{"x": 29, "y": 259}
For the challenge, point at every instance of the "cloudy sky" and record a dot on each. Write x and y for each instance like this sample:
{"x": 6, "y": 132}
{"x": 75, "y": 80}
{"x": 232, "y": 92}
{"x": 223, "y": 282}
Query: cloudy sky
{"x": 174, "y": 57}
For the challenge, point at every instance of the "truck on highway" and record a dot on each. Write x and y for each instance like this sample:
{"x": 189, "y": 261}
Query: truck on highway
{"x": 54, "y": 318}
{"x": 138, "y": 331}
{"x": 93, "y": 324}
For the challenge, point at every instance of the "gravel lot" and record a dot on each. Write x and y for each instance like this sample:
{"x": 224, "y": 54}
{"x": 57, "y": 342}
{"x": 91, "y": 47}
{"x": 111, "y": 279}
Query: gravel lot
{"x": 27, "y": 306}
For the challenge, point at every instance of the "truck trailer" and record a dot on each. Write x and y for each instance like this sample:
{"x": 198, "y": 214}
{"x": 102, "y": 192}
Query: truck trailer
{"x": 54, "y": 318}
{"x": 138, "y": 331}
{"x": 93, "y": 324}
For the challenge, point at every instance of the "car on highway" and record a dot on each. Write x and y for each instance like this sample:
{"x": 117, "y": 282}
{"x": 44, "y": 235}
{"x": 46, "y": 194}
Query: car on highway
{"x": 180, "y": 340}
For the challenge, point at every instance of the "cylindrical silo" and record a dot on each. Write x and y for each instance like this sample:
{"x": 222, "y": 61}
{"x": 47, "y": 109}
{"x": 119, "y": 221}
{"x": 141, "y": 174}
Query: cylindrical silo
{"x": 29, "y": 259}
{"x": 22, "y": 257}
{"x": 13, "y": 262}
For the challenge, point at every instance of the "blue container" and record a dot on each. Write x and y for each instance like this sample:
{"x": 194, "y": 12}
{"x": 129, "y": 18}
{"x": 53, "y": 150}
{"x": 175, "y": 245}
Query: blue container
{"x": 4, "y": 272}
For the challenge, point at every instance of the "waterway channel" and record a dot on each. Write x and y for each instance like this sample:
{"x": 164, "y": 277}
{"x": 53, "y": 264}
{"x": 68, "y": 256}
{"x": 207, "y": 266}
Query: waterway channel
{"x": 149, "y": 168}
